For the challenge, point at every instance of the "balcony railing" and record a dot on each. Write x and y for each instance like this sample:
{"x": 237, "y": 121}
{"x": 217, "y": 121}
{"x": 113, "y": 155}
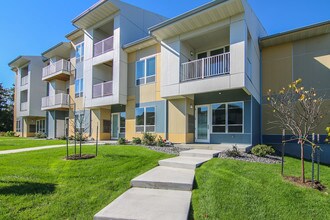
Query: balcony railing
{"x": 102, "y": 89}
{"x": 59, "y": 66}
{"x": 24, "y": 80}
{"x": 23, "y": 106}
{"x": 59, "y": 99}
{"x": 206, "y": 67}
{"x": 103, "y": 46}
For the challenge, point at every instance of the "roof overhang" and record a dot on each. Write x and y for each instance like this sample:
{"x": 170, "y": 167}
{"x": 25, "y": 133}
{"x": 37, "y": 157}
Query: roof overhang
{"x": 96, "y": 13}
{"x": 18, "y": 62}
{"x": 74, "y": 34}
{"x": 296, "y": 34}
{"x": 202, "y": 16}
{"x": 62, "y": 49}
{"x": 140, "y": 44}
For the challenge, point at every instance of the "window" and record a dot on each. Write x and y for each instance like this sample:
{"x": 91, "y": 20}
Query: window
{"x": 106, "y": 126}
{"x": 41, "y": 126}
{"x": 80, "y": 52}
{"x": 32, "y": 128}
{"x": 18, "y": 126}
{"x": 80, "y": 122}
{"x": 122, "y": 123}
{"x": 145, "y": 119}
{"x": 227, "y": 118}
{"x": 79, "y": 87}
{"x": 145, "y": 71}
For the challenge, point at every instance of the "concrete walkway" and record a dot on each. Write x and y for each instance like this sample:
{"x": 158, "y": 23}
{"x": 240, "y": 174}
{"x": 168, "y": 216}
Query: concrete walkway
{"x": 37, "y": 148}
{"x": 163, "y": 193}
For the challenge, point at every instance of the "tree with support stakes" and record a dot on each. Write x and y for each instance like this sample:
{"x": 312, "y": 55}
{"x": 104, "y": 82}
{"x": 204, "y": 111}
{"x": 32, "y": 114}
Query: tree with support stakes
{"x": 298, "y": 111}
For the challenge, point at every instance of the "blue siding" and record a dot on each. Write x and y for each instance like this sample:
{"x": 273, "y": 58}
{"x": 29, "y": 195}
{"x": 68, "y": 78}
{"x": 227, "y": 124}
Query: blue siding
{"x": 256, "y": 132}
{"x": 160, "y": 113}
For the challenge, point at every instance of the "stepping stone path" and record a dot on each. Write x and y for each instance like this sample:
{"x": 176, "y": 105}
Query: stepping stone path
{"x": 161, "y": 193}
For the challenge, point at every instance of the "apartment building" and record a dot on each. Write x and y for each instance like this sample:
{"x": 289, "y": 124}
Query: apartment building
{"x": 200, "y": 77}
{"x": 29, "y": 88}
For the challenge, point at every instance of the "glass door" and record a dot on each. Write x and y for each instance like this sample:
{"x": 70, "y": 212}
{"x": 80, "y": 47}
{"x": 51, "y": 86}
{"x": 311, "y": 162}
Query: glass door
{"x": 202, "y": 124}
{"x": 115, "y": 126}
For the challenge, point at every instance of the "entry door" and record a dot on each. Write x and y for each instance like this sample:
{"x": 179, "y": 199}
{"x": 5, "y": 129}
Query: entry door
{"x": 115, "y": 119}
{"x": 202, "y": 124}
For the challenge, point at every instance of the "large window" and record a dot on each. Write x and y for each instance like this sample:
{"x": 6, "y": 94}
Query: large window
{"x": 41, "y": 126}
{"x": 227, "y": 118}
{"x": 80, "y": 52}
{"x": 145, "y": 71}
{"x": 79, "y": 87}
{"x": 145, "y": 119}
{"x": 18, "y": 126}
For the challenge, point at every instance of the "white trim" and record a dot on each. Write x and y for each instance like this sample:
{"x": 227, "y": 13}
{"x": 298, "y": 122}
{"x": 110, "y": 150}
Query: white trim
{"x": 144, "y": 59}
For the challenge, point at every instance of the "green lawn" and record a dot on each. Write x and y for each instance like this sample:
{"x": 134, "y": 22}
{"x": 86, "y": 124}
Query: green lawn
{"x": 42, "y": 185}
{"x": 11, "y": 143}
{"x": 230, "y": 189}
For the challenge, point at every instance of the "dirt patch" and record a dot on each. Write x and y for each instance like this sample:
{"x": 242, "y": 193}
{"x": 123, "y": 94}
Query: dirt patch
{"x": 308, "y": 183}
{"x": 82, "y": 157}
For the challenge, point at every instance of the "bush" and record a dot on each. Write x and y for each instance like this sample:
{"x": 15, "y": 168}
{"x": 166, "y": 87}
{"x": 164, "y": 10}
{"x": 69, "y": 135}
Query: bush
{"x": 136, "y": 140}
{"x": 262, "y": 150}
{"x": 121, "y": 141}
{"x": 161, "y": 142}
{"x": 40, "y": 135}
{"x": 78, "y": 136}
{"x": 233, "y": 152}
{"x": 62, "y": 138}
{"x": 149, "y": 139}
{"x": 8, "y": 134}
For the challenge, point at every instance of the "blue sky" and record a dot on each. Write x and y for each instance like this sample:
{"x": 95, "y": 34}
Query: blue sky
{"x": 31, "y": 27}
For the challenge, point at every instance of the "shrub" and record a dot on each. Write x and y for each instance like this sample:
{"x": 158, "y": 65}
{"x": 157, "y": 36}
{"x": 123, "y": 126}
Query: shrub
{"x": 161, "y": 142}
{"x": 62, "y": 138}
{"x": 78, "y": 136}
{"x": 136, "y": 140}
{"x": 40, "y": 135}
{"x": 262, "y": 150}
{"x": 9, "y": 134}
{"x": 233, "y": 152}
{"x": 121, "y": 141}
{"x": 148, "y": 139}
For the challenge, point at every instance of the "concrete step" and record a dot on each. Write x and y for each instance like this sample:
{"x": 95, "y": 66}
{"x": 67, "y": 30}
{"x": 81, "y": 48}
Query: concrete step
{"x": 138, "y": 203}
{"x": 183, "y": 162}
{"x": 166, "y": 178}
{"x": 200, "y": 153}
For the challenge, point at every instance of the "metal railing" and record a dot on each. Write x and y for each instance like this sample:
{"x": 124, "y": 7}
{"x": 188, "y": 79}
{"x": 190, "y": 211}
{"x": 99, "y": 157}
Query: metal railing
{"x": 102, "y": 89}
{"x": 103, "y": 46}
{"x": 23, "y": 106}
{"x": 53, "y": 68}
{"x": 61, "y": 99}
{"x": 206, "y": 67}
{"x": 24, "y": 80}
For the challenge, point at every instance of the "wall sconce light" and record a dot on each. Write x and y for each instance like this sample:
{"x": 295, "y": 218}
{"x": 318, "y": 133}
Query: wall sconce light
{"x": 192, "y": 53}
{"x": 191, "y": 106}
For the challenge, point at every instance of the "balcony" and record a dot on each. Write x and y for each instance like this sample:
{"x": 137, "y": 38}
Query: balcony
{"x": 103, "y": 46}
{"x": 24, "y": 80}
{"x": 59, "y": 70}
{"x": 60, "y": 101}
{"x": 24, "y": 106}
{"x": 207, "y": 67}
{"x": 102, "y": 89}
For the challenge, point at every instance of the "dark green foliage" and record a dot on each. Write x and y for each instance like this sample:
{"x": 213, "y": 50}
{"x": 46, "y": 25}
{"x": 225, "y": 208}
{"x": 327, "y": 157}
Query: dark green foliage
{"x": 161, "y": 142}
{"x": 121, "y": 141}
{"x": 262, "y": 150}
{"x": 6, "y": 108}
{"x": 136, "y": 140}
{"x": 233, "y": 152}
{"x": 40, "y": 135}
{"x": 149, "y": 139}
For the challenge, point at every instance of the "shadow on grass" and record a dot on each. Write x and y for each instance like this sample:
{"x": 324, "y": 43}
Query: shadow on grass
{"x": 116, "y": 156}
{"x": 26, "y": 188}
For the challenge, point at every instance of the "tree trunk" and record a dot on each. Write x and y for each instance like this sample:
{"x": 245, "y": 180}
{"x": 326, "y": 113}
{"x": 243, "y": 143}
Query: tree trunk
{"x": 302, "y": 161}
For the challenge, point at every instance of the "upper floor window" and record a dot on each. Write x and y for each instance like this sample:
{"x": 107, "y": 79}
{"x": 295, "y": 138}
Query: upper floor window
{"x": 79, "y": 87}
{"x": 80, "y": 52}
{"x": 145, "y": 71}
{"x": 213, "y": 52}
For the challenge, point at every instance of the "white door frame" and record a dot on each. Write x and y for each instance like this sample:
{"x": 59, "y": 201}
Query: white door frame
{"x": 118, "y": 126}
{"x": 208, "y": 124}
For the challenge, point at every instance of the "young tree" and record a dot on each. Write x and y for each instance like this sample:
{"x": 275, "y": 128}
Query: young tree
{"x": 299, "y": 111}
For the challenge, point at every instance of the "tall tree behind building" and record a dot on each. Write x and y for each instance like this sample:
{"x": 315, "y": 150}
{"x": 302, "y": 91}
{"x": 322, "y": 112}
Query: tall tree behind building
{"x": 6, "y": 108}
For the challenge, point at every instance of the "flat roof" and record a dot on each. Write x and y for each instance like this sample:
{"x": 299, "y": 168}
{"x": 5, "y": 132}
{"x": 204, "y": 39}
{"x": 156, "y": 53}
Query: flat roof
{"x": 296, "y": 34}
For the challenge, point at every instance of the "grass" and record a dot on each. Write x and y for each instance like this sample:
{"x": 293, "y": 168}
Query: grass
{"x": 42, "y": 185}
{"x": 11, "y": 143}
{"x": 231, "y": 189}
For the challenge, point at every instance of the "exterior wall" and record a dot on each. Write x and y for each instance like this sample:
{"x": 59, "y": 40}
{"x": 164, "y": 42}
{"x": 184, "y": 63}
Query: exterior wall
{"x": 97, "y": 118}
{"x": 144, "y": 95}
{"x": 56, "y": 123}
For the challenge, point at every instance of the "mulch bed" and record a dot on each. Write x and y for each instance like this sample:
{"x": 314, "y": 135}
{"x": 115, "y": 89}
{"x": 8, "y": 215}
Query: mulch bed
{"x": 308, "y": 183}
{"x": 82, "y": 157}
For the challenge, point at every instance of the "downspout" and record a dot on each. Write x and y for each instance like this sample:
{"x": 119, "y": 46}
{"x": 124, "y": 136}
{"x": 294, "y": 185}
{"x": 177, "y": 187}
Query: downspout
{"x": 261, "y": 95}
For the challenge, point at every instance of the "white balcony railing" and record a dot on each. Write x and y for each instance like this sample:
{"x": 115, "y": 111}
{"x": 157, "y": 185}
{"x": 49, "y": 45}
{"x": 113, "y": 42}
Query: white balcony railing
{"x": 60, "y": 99}
{"x": 103, "y": 46}
{"x": 23, "y": 106}
{"x": 24, "y": 80}
{"x": 102, "y": 89}
{"x": 59, "y": 66}
{"x": 206, "y": 67}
